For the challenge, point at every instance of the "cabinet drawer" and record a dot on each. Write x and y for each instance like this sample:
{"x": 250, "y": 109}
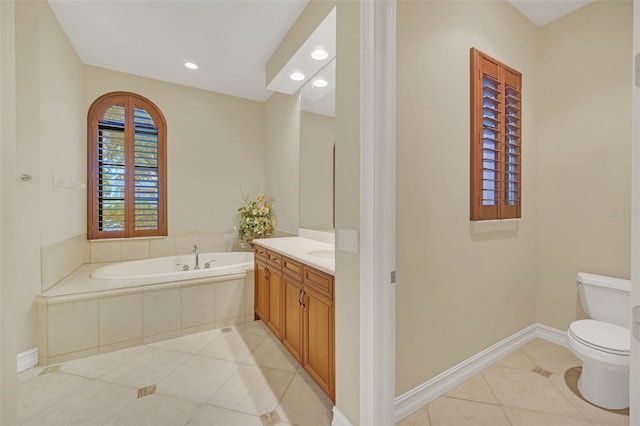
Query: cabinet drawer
{"x": 320, "y": 281}
{"x": 274, "y": 258}
{"x": 292, "y": 268}
{"x": 260, "y": 252}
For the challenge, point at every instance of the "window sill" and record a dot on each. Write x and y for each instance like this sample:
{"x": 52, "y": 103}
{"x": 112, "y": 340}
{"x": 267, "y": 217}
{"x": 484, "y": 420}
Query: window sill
{"x": 99, "y": 240}
{"x": 484, "y": 226}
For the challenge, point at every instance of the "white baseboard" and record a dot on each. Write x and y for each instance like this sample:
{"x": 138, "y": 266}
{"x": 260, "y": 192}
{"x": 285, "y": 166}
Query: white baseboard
{"x": 27, "y": 359}
{"x": 423, "y": 394}
{"x": 552, "y": 335}
{"x": 339, "y": 419}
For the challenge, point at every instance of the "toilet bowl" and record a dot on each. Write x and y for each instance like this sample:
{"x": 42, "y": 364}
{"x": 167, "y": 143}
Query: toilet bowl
{"x": 603, "y": 342}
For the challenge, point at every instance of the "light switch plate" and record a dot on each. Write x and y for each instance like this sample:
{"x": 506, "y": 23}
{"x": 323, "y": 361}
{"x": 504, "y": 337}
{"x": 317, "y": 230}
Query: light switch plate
{"x": 347, "y": 240}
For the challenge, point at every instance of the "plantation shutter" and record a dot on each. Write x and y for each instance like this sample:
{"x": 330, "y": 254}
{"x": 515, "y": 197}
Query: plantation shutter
{"x": 146, "y": 175}
{"x": 495, "y": 139}
{"x": 512, "y": 165}
{"x": 111, "y": 169}
{"x": 127, "y": 168}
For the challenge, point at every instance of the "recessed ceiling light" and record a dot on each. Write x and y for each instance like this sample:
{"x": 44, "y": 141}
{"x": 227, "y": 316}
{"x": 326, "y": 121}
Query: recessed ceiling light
{"x": 319, "y": 54}
{"x": 191, "y": 65}
{"x": 320, "y": 82}
{"x": 296, "y": 76}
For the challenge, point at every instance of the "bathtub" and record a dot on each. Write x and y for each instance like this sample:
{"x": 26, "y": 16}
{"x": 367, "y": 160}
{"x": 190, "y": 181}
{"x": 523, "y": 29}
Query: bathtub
{"x": 106, "y": 307}
{"x": 166, "y": 269}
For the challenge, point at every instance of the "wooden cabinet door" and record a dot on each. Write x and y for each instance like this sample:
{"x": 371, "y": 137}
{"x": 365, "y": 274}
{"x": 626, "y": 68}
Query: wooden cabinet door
{"x": 293, "y": 318}
{"x": 319, "y": 339}
{"x": 261, "y": 291}
{"x": 274, "y": 282}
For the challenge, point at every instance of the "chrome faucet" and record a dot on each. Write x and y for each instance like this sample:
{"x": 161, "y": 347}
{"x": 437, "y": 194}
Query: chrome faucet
{"x": 195, "y": 250}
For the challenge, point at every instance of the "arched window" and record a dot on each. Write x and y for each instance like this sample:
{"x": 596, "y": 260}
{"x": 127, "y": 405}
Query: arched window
{"x": 127, "y": 168}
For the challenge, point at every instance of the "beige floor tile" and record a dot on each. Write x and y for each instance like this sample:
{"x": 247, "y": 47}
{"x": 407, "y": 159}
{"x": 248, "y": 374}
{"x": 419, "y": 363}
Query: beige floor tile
{"x": 147, "y": 368}
{"x": 519, "y": 417}
{"x": 551, "y": 357}
{"x": 99, "y": 365}
{"x": 528, "y": 390}
{"x": 305, "y": 404}
{"x": 254, "y": 327}
{"x": 216, "y": 416}
{"x": 189, "y": 344}
{"x": 42, "y": 392}
{"x": 31, "y": 373}
{"x": 474, "y": 389}
{"x": 96, "y": 404}
{"x": 253, "y": 390}
{"x": 232, "y": 346}
{"x": 456, "y": 412}
{"x": 418, "y": 418}
{"x": 587, "y": 410}
{"x": 157, "y": 410}
{"x": 198, "y": 379}
{"x": 517, "y": 359}
{"x": 270, "y": 353}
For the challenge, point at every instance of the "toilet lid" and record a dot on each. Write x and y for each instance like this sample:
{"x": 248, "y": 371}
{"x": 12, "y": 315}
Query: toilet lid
{"x": 603, "y": 336}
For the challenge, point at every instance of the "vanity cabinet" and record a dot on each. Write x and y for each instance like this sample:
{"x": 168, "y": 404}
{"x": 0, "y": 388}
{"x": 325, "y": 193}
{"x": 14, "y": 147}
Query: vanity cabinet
{"x": 274, "y": 294}
{"x": 268, "y": 289}
{"x": 317, "y": 304}
{"x": 300, "y": 312}
{"x": 292, "y": 337}
{"x": 260, "y": 285}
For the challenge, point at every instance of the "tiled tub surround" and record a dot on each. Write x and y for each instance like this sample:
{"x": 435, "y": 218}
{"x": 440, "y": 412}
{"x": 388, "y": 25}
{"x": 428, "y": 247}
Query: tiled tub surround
{"x": 81, "y": 316}
{"x": 60, "y": 259}
{"x": 173, "y": 245}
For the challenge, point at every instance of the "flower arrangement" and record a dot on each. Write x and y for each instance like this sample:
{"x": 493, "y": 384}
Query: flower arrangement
{"x": 256, "y": 219}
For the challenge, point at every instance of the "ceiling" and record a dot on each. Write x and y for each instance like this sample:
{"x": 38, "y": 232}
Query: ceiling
{"x": 230, "y": 40}
{"x": 543, "y": 12}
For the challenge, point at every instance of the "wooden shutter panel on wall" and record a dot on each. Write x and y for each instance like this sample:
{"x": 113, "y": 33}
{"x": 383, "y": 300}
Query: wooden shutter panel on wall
{"x": 512, "y": 152}
{"x": 495, "y": 139}
{"x": 126, "y": 168}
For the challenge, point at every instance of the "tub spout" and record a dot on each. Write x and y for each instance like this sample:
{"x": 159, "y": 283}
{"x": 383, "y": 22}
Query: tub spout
{"x": 195, "y": 250}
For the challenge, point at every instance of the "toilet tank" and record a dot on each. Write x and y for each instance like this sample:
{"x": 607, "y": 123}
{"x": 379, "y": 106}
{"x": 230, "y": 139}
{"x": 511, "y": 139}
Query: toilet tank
{"x": 606, "y": 299}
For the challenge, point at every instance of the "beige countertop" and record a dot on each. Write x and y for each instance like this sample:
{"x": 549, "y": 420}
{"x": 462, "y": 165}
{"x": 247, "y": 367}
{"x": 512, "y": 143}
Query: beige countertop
{"x": 302, "y": 250}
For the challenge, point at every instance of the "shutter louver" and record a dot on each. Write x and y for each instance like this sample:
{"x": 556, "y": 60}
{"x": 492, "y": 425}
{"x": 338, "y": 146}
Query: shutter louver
{"x": 495, "y": 139}
{"x": 512, "y": 172}
{"x": 111, "y": 170}
{"x": 146, "y": 172}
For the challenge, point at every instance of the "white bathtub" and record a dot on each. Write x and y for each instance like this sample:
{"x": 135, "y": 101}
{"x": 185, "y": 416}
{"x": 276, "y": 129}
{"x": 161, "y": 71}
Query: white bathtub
{"x": 101, "y": 308}
{"x": 167, "y": 269}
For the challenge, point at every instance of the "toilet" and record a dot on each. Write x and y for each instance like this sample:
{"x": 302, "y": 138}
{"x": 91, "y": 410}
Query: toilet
{"x": 603, "y": 341}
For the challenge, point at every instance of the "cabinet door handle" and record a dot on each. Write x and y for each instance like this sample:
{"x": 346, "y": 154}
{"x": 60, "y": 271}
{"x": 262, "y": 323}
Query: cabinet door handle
{"x": 302, "y": 298}
{"x": 299, "y": 294}
{"x": 265, "y": 275}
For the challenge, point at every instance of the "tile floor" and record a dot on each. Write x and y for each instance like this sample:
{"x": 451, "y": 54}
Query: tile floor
{"x": 238, "y": 375}
{"x": 526, "y": 388}
{"x": 242, "y": 375}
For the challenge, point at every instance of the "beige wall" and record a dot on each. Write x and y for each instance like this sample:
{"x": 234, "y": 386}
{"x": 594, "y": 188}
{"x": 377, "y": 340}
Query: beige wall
{"x": 8, "y": 253}
{"x": 458, "y": 292}
{"x": 215, "y": 145}
{"x": 50, "y": 140}
{"x": 62, "y": 133}
{"x": 317, "y": 138}
{"x": 584, "y": 152}
{"x": 347, "y": 128}
{"x": 281, "y": 159}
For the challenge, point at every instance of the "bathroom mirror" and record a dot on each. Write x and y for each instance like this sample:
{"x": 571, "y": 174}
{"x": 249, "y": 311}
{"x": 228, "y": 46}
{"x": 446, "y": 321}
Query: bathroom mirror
{"x": 317, "y": 150}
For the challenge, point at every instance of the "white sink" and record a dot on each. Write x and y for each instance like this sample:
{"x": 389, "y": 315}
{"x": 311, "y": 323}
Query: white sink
{"x": 323, "y": 254}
